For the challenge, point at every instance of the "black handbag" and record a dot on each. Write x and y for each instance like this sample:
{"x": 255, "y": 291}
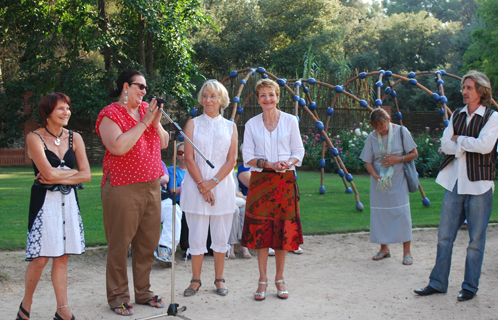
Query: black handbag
{"x": 409, "y": 169}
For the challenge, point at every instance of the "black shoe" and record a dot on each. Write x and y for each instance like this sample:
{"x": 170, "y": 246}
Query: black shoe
{"x": 427, "y": 291}
{"x": 465, "y": 295}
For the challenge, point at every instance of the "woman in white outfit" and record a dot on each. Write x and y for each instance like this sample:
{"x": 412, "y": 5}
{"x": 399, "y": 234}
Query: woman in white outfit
{"x": 211, "y": 192}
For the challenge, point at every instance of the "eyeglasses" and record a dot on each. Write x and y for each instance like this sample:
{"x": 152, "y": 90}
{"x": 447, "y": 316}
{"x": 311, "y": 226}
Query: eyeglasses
{"x": 180, "y": 153}
{"x": 212, "y": 97}
{"x": 141, "y": 86}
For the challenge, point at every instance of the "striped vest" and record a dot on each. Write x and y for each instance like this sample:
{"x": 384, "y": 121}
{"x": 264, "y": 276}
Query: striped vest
{"x": 479, "y": 166}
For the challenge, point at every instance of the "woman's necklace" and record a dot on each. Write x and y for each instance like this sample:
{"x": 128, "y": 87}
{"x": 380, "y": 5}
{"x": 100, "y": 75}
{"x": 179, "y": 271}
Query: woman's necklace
{"x": 57, "y": 140}
{"x": 271, "y": 123}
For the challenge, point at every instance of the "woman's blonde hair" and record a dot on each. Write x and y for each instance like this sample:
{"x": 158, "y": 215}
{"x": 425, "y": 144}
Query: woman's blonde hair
{"x": 483, "y": 86}
{"x": 220, "y": 89}
{"x": 267, "y": 83}
{"x": 379, "y": 116}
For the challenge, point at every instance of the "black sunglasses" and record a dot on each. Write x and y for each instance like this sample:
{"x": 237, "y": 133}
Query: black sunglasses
{"x": 180, "y": 153}
{"x": 141, "y": 86}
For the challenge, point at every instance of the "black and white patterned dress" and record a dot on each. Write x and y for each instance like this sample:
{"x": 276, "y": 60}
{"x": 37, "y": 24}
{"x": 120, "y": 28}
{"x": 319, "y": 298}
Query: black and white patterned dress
{"x": 55, "y": 227}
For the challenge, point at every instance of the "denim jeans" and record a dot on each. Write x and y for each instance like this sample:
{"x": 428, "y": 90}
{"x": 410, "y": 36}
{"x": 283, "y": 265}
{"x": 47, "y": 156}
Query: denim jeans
{"x": 455, "y": 209}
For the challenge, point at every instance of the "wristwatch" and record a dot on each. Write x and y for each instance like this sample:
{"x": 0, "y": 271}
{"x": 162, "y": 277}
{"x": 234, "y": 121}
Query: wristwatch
{"x": 216, "y": 180}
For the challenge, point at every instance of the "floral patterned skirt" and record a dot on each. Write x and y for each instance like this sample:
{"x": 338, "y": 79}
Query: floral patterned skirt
{"x": 272, "y": 212}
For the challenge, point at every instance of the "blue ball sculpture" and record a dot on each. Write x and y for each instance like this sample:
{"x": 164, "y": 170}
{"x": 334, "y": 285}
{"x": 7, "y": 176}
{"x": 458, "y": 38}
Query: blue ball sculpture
{"x": 322, "y": 190}
{"x": 426, "y": 202}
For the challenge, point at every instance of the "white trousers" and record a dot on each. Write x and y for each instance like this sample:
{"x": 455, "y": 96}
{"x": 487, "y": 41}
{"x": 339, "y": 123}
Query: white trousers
{"x": 166, "y": 238}
{"x": 198, "y": 226}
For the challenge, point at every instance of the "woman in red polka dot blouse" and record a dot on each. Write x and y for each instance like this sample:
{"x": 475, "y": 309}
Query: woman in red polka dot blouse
{"x": 133, "y": 137}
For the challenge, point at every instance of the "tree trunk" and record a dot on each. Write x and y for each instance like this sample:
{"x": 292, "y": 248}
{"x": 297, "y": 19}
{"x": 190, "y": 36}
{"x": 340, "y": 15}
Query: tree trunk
{"x": 103, "y": 29}
{"x": 141, "y": 36}
{"x": 150, "y": 54}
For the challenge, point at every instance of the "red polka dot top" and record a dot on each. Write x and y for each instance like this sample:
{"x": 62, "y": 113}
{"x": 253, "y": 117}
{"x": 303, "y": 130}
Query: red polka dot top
{"x": 143, "y": 162}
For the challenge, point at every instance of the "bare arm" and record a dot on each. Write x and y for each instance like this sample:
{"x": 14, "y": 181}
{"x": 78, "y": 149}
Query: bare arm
{"x": 371, "y": 170}
{"x": 83, "y": 174}
{"x": 390, "y": 160}
{"x": 36, "y": 152}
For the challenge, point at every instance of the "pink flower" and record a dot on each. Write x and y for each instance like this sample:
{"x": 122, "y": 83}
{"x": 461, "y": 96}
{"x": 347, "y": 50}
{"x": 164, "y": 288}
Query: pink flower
{"x": 354, "y": 124}
{"x": 340, "y": 149}
{"x": 313, "y": 145}
{"x": 440, "y": 150}
{"x": 306, "y": 153}
{"x": 305, "y": 142}
{"x": 310, "y": 131}
{"x": 437, "y": 129}
{"x": 428, "y": 129}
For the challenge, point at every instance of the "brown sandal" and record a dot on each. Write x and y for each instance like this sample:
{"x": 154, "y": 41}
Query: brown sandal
{"x": 190, "y": 291}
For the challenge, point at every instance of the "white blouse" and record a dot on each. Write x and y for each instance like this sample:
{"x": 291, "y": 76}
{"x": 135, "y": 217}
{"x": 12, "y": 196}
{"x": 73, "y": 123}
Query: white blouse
{"x": 213, "y": 137}
{"x": 281, "y": 144}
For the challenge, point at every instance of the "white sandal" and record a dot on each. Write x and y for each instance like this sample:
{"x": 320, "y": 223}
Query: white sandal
{"x": 260, "y": 296}
{"x": 282, "y": 294}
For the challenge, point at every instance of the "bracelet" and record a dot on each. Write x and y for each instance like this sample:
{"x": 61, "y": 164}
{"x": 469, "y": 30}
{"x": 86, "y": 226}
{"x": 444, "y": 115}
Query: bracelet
{"x": 146, "y": 126}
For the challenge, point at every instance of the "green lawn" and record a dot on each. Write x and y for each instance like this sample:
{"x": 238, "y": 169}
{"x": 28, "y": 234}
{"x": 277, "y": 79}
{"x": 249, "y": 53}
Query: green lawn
{"x": 331, "y": 212}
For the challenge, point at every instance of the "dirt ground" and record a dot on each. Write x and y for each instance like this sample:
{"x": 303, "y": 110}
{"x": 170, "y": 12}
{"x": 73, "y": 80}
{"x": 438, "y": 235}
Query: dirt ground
{"x": 334, "y": 279}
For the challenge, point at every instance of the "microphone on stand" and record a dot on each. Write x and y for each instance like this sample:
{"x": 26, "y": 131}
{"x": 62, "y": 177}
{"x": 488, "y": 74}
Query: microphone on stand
{"x": 159, "y": 100}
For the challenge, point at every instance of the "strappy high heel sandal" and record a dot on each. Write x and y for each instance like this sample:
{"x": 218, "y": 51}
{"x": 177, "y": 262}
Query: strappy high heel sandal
{"x": 24, "y": 313}
{"x": 190, "y": 291}
{"x": 260, "y": 296}
{"x": 282, "y": 294}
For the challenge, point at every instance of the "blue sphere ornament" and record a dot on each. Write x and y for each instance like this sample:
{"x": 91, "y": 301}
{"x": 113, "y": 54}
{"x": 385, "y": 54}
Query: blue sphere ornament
{"x": 330, "y": 111}
{"x": 388, "y": 74}
{"x": 335, "y": 152}
{"x": 446, "y": 123}
{"x": 362, "y": 75}
{"x": 240, "y": 110}
{"x": 322, "y": 190}
{"x": 193, "y": 112}
{"x": 338, "y": 89}
{"x": 349, "y": 177}
{"x": 306, "y": 89}
{"x": 378, "y": 102}
{"x": 302, "y": 102}
{"x": 253, "y": 71}
{"x": 264, "y": 76}
{"x": 181, "y": 137}
{"x": 243, "y": 82}
{"x": 295, "y": 98}
{"x": 426, "y": 202}
{"x": 321, "y": 163}
{"x": 394, "y": 94}
{"x": 441, "y": 112}
{"x": 311, "y": 81}
{"x": 236, "y": 99}
{"x": 231, "y": 120}
{"x": 435, "y": 96}
{"x": 399, "y": 116}
{"x": 388, "y": 90}
{"x": 443, "y": 73}
{"x": 379, "y": 84}
{"x": 260, "y": 70}
{"x": 322, "y": 137}
{"x": 443, "y": 99}
{"x": 411, "y": 75}
{"x": 437, "y": 72}
{"x": 341, "y": 173}
{"x": 319, "y": 125}
{"x": 298, "y": 119}
{"x": 349, "y": 190}
{"x": 281, "y": 82}
{"x": 234, "y": 74}
{"x": 413, "y": 81}
{"x": 312, "y": 106}
{"x": 440, "y": 82}
{"x": 382, "y": 72}
{"x": 297, "y": 84}
{"x": 435, "y": 79}
{"x": 359, "y": 206}
{"x": 363, "y": 103}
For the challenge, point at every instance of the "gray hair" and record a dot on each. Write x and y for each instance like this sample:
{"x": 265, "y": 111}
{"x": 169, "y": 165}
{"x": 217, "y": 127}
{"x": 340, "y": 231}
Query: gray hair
{"x": 216, "y": 86}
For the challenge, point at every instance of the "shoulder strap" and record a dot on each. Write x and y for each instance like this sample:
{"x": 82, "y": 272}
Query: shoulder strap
{"x": 44, "y": 145}
{"x": 402, "y": 143}
{"x": 70, "y": 139}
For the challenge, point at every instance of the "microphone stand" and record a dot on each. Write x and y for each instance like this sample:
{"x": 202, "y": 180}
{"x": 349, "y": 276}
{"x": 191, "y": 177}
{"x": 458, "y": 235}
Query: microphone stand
{"x": 173, "y": 309}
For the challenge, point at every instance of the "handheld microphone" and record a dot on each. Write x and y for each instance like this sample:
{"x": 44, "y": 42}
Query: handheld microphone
{"x": 159, "y": 100}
